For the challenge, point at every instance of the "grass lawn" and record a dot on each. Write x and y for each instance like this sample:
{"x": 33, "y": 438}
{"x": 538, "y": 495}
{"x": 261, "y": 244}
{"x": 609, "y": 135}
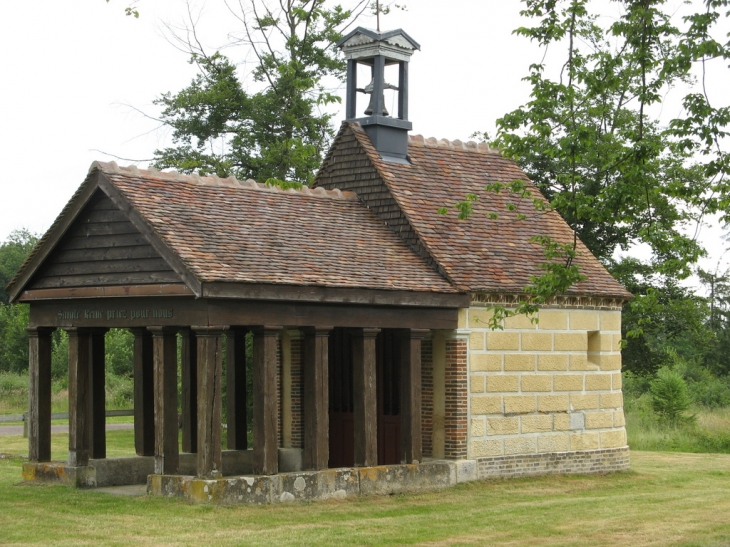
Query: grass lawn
{"x": 666, "y": 499}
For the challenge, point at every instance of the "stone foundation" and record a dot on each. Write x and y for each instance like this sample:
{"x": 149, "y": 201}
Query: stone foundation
{"x": 588, "y": 462}
{"x": 319, "y": 485}
{"x": 136, "y": 469}
{"x": 307, "y": 485}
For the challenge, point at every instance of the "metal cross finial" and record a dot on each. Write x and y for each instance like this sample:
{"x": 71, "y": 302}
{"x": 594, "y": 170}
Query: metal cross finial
{"x": 377, "y": 13}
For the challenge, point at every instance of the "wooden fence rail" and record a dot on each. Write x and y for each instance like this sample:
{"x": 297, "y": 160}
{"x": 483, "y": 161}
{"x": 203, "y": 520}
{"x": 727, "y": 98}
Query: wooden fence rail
{"x": 56, "y": 416}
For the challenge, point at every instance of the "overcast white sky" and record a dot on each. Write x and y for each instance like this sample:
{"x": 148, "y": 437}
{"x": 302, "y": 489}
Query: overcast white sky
{"x": 75, "y": 74}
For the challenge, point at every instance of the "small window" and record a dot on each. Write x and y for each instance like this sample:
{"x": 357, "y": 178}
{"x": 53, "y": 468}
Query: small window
{"x": 594, "y": 347}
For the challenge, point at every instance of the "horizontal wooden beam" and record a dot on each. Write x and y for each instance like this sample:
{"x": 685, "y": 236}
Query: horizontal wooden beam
{"x": 167, "y": 289}
{"x": 299, "y": 293}
{"x": 181, "y": 312}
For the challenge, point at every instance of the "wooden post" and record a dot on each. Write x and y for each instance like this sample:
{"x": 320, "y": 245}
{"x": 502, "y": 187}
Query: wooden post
{"x": 410, "y": 398}
{"x": 144, "y": 394}
{"x": 364, "y": 389}
{"x": 38, "y": 418}
{"x": 97, "y": 394}
{"x": 265, "y": 450}
{"x": 316, "y": 397}
{"x": 167, "y": 455}
{"x": 210, "y": 370}
{"x": 189, "y": 373}
{"x": 78, "y": 397}
{"x": 236, "y": 388}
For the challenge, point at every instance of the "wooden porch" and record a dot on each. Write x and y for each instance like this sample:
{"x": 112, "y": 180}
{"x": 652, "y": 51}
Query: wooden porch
{"x": 342, "y": 349}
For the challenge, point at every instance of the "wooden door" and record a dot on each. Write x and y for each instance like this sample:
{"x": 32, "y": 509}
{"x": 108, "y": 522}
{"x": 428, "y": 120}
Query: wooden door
{"x": 388, "y": 381}
{"x": 342, "y": 429}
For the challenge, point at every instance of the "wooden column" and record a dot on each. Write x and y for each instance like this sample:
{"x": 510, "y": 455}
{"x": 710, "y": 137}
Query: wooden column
{"x": 364, "y": 389}
{"x": 410, "y": 395}
{"x": 189, "y": 403}
{"x": 316, "y": 397}
{"x": 97, "y": 394}
{"x": 39, "y": 411}
{"x": 236, "y": 388}
{"x": 210, "y": 370}
{"x": 167, "y": 455}
{"x": 78, "y": 397}
{"x": 144, "y": 394}
{"x": 265, "y": 450}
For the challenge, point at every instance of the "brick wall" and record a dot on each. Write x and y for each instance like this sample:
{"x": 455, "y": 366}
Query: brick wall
{"x": 456, "y": 395}
{"x": 427, "y": 397}
{"x": 591, "y": 461}
{"x": 279, "y": 377}
{"x": 297, "y": 394}
{"x": 554, "y": 386}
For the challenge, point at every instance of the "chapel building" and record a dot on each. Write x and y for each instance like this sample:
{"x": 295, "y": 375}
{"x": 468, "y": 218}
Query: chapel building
{"x": 364, "y": 315}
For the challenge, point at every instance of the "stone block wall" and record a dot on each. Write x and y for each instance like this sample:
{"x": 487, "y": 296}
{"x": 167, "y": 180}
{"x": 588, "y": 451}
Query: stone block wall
{"x": 553, "y": 386}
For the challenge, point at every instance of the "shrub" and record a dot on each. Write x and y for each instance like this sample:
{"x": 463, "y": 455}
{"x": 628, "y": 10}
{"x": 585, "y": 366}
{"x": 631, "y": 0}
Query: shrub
{"x": 670, "y": 397}
{"x": 119, "y": 346}
{"x": 119, "y": 391}
{"x": 59, "y": 357}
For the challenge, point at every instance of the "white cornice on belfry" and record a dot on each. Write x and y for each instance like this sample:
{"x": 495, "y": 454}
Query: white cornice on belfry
{"x": 364, "y": 43}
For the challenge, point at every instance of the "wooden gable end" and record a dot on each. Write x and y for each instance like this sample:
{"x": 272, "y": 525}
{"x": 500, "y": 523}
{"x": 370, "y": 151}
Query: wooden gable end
{"x": 102, "y": 248}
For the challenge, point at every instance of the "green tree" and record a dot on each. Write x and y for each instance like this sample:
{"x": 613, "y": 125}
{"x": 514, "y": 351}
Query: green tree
{"x": 13, "y": 319}
{"x": 718, "y": 320}
{"x": 277, "y": 133}
{"x": 670, "y": 318}
{"x": 13, "y": 252}
{"x": 130, "y": 10}
{"x": 13, "y": 338}
{"x": 592, "y": 140}
{"x": 119, "y": 348}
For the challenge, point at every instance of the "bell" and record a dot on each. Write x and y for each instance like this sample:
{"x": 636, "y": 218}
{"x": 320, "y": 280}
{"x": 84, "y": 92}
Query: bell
{"x": 368, "y": 89}
{"x": 369, "y": 109}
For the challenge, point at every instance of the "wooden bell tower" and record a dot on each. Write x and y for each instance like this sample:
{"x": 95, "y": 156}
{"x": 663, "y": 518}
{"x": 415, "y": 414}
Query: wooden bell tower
{"x": 389, "y": 134}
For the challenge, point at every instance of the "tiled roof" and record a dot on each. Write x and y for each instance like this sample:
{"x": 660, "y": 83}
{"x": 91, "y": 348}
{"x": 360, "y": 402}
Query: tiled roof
{"x": 477, "y": 254}
{"x": 231, "y": 231}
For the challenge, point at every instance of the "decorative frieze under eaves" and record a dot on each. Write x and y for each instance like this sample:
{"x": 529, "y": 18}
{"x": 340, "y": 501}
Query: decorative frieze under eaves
{"x": 511, "y": 300}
